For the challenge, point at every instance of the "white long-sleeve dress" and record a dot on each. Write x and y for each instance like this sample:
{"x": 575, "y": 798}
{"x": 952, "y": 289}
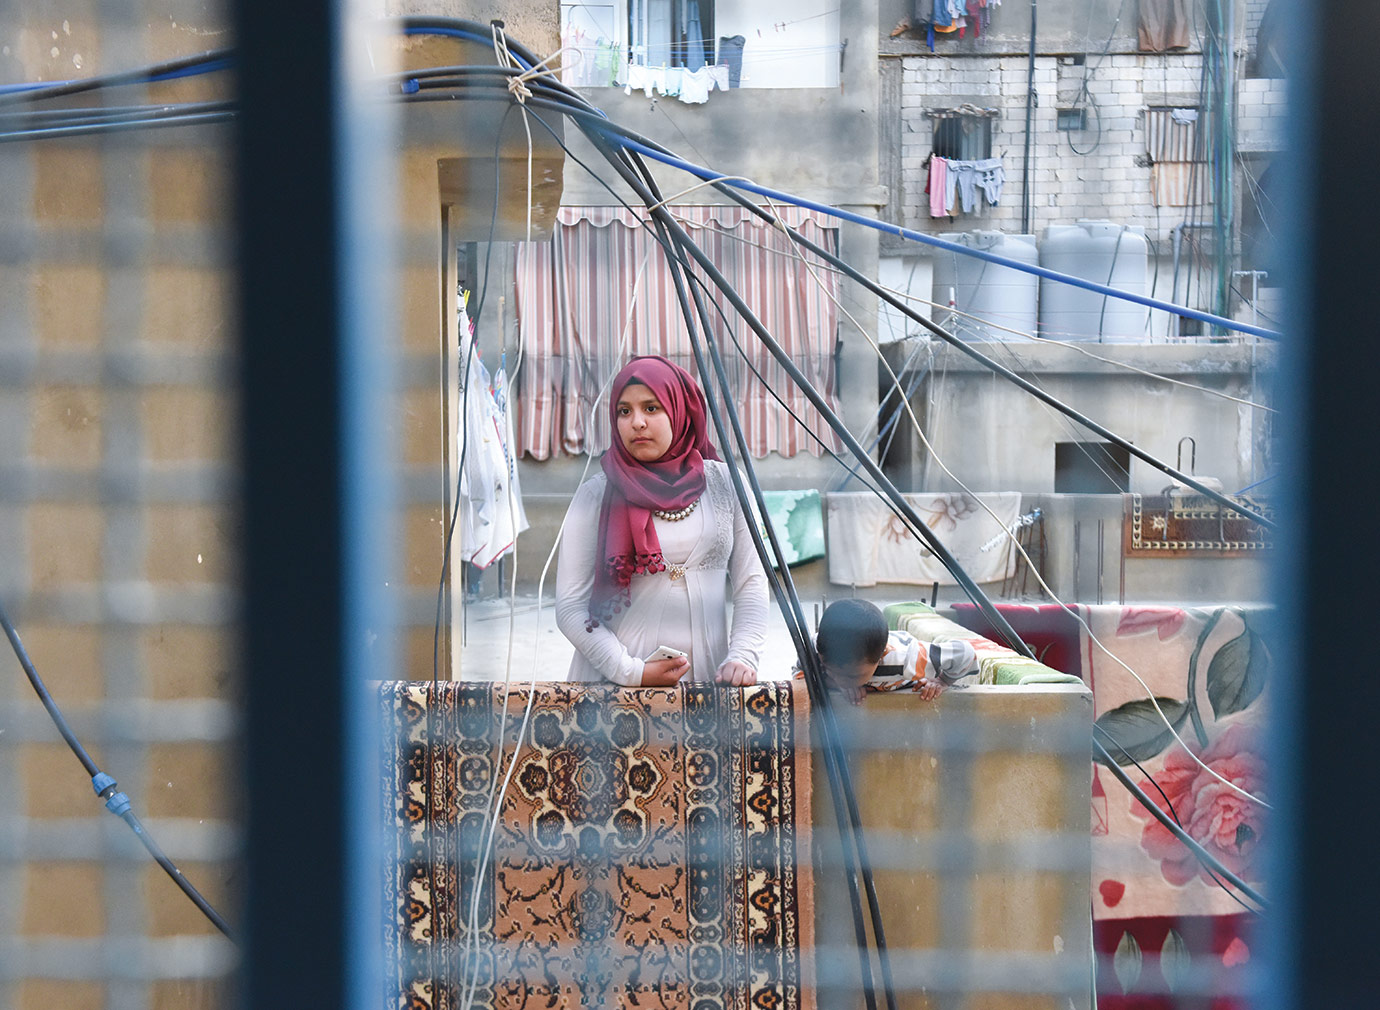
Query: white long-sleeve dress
{"x": 713, "y": 545}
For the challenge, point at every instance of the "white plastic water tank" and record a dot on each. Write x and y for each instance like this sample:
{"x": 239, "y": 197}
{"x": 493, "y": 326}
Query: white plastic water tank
{"x": 1101, "y": 251}
{"x": 1001, "y": 298}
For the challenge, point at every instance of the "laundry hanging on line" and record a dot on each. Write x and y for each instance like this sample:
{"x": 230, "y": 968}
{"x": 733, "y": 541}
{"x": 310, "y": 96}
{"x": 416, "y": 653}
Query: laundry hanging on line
{"x": 491, "y": 512}
{"x": 956, "y": 183}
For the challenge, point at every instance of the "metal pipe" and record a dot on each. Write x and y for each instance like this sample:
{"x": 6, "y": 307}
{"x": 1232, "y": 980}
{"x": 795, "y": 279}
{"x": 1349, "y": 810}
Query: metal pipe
{"x": 1027, "y": 204}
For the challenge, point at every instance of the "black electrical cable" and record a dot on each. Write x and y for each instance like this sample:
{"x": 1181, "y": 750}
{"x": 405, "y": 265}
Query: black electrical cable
{"x": 835, "y": 759}
{"x": 121, "y": 126}
{"x": 1188, "y": 480}
{"x": 888, "y": 429}
{"x": 803, "y": 384}
{"x": 836, "y": 762}
{"x": 788, "y": 602}
{"x": 698, "y": 282}
{"x": 207, "y": 62}
{"x": 854, "y": 817}
{"x": 1008, "y": 374}
{"x": 623, "y": 163}
{"x": 841, "y": 787}
{"x": 106, "y": 787}
{"x": 45, "y": 118}
{"x": 709, "y": 270}
{"x": 1121, "y": 776}
{"x": 923, "y": 532}
{"x": 728, "y": 190}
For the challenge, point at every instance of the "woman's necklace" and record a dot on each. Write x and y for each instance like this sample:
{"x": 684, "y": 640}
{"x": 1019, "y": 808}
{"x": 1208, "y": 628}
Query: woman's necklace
{"x": 678, "y": 514}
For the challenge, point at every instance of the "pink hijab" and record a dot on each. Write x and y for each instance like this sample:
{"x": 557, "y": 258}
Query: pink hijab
{"x": 628, "y": 542}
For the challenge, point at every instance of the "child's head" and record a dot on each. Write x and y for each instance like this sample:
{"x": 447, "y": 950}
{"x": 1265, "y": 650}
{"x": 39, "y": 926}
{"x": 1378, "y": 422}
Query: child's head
{"x": 851, "y": 641}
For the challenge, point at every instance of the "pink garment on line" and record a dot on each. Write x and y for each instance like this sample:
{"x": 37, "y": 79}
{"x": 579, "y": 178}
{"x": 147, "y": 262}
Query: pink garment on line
{"x": 939, "y": 187}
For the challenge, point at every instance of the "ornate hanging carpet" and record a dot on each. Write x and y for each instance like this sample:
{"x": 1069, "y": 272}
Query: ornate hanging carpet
{"x": 651, "y": 848}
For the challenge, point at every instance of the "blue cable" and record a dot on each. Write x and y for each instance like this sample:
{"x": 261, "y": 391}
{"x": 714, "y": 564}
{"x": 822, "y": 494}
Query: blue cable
{"x": 934, "y": 240}
{"x": 192, "y": 70}
{"x": 1257, "y": 484}
{"x": 410, "y": 86}
{"x": 214, "y": 66}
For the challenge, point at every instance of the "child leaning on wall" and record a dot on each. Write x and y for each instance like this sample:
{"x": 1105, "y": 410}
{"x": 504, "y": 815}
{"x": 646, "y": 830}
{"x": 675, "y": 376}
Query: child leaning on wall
{"x": 858, "y": 652}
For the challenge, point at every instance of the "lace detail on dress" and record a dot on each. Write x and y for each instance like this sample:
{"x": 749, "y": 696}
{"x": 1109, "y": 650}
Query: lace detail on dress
{"x": 719, "y": 536}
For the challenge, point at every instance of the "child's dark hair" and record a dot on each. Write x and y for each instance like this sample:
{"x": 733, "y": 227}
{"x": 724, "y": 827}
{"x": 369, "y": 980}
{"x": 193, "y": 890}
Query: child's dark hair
{"x": 851, "y": 631}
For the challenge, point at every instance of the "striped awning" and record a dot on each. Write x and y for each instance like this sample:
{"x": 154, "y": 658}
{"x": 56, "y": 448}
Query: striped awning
{"x": 600, "y": 291}
{"x": 1179, "y": 172}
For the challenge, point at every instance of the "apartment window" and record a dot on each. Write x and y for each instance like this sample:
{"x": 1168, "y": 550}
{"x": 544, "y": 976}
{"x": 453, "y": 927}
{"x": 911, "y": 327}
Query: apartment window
{"x": 1091, "y": 468}
{"x": 671, "y": 33}
{"x": 1071, "y": 120}
{"x": 962, "y": 134}
{"x": 750, "y": 44}
{"x": 1175, "y": 145}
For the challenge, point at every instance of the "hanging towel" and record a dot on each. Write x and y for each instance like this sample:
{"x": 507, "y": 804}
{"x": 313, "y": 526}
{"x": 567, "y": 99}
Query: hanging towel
{"x": 491, "y": 512}
{"x": 731, "y": 53}
{"x": 798, "y": 518}
{"x": 868, "y": 544}
{"x": 1163, "y": 25}
{"x": 939, "y": 187}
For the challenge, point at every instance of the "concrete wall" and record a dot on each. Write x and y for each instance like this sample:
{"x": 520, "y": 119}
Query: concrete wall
{"x": 1111, "y": 180}
{"x": 976, "y": 808}
{"x": 1000, "y": 437}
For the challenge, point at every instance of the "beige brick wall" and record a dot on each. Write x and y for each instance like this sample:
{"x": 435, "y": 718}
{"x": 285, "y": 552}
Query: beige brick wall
{"x": 118, "y": 527}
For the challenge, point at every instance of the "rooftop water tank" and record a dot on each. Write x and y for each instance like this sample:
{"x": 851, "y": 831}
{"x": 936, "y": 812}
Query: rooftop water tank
{"x": 1112, "y": 254}
{"x": 997, "y": 302}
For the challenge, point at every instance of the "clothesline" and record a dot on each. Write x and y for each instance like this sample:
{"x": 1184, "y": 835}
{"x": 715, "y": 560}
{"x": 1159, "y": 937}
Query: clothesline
{"x": 950, "y": 178}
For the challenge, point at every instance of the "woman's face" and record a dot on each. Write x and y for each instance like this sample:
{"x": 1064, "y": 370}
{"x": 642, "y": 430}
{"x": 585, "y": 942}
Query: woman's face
{"x": 643, "y": 424}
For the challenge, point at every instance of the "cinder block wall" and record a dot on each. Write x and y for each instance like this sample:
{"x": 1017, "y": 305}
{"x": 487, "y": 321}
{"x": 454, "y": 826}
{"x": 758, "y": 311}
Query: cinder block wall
{"x": 1106, "y": 182}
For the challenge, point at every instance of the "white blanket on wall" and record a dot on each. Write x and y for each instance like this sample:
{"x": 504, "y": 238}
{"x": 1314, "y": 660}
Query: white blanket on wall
{"x": 868, "y": 544}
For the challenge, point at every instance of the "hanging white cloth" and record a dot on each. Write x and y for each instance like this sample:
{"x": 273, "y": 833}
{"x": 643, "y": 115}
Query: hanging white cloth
{"x": 868, "y": 544}
{"x": 491, "y": 512}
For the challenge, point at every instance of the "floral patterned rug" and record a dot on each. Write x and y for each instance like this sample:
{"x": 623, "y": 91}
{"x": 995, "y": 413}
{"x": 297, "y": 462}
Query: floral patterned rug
{"x": 651, "y": 850}
{"x": 1160, "y": 919}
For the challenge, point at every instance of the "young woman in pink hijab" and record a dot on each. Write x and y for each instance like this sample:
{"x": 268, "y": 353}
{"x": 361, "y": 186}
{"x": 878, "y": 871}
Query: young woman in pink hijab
{"x": 657, "y": 545}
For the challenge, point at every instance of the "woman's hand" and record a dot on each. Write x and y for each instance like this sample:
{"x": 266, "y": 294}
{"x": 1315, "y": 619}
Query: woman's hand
{"x": 664, "y": 672}
{"x": 736, "y": 673}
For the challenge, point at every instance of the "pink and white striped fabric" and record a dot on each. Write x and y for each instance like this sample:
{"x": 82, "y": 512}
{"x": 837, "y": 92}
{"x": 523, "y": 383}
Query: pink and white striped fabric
{"x": 603, "y": 278}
